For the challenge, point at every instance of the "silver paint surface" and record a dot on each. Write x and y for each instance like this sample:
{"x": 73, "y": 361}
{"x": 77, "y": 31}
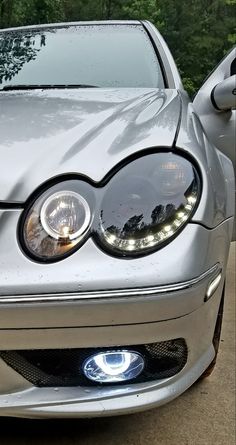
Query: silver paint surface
{"x": 78, "y": 131}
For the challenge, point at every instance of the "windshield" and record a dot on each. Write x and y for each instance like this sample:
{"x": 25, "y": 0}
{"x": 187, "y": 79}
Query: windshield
{"x": 87, "y": 55}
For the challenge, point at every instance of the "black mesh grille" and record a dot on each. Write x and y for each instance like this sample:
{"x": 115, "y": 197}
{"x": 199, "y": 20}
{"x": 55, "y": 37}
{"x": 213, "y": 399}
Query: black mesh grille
{"x": 63, "y": 367}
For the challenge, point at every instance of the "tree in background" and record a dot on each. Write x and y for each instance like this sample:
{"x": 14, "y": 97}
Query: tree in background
{"x": 26, "y": 12}
{"x": 198, "y": 32}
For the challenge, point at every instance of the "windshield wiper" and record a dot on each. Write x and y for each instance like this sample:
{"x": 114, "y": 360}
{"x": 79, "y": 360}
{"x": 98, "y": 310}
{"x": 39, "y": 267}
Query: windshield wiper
{"x": 45, "y": 87}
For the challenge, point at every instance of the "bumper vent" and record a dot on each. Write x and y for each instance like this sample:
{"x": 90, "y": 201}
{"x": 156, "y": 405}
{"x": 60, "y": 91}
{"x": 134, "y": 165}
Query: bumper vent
{"x": 63, "y": 367}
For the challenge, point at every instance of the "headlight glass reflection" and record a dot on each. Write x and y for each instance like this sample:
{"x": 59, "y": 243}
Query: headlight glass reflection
{"x": 56, "y": 223}
{"x": 65, "y": 215}
{"x": 147, "y": 203}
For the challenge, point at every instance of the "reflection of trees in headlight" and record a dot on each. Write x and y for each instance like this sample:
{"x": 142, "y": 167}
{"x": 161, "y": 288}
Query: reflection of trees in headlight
{"x": 167, "y": 188}
{"x": 135, "y": 226}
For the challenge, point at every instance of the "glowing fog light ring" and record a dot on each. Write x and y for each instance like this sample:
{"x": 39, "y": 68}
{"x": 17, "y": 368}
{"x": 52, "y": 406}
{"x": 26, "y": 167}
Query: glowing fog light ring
{"x": 98, "y": 369}
{"x": 82, "y": 202}
{"x": 113, "y": 370}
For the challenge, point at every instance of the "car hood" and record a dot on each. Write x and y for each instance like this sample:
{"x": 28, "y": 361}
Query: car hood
{"x": 47, "y": 133}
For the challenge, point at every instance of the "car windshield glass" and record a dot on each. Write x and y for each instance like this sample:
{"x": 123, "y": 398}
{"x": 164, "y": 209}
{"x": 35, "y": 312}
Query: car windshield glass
{"x": 98, "y": 55}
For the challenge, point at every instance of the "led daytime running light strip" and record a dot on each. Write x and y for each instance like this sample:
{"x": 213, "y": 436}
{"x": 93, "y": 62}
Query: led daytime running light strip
{"x": 152, "y": 240}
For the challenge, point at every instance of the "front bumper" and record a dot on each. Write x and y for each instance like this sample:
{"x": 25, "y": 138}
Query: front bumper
{"x": 20, "y": 398}
{"x": 61, "y": 306}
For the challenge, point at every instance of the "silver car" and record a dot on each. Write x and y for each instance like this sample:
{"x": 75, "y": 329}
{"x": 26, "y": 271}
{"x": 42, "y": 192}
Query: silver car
{"x": 116, "y": 216}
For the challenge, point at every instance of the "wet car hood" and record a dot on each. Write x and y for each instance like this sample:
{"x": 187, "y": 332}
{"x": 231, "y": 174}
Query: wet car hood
{"x": 47, "y": 133}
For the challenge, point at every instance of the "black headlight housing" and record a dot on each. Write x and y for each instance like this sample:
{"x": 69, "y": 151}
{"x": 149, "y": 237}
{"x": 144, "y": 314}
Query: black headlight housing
{"x": 142, "y": 206}
{"x": 147, "y": 203}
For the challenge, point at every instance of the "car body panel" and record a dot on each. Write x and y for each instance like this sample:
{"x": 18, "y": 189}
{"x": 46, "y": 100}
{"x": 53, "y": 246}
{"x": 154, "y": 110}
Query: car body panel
{"x": 88, "y": 310}
{"x": 218, "y": 179}
{"x": 220, "y": 126}
{"x": 60, "y": 130}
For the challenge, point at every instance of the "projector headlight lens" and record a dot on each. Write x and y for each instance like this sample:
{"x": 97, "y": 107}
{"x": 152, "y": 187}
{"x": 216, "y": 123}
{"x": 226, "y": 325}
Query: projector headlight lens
{"x": 147, "y": 203}
{"x": 56, "y": 223}
{"x": 65, "y": 215}
{"x": 113, "y": 366}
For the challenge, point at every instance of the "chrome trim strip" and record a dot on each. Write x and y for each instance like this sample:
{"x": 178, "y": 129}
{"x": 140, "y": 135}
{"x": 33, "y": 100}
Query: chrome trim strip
{"x": 118, "y": 293}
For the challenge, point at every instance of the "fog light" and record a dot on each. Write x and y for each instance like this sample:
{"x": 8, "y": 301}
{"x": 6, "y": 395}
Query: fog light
{"x": 113, "y": 366}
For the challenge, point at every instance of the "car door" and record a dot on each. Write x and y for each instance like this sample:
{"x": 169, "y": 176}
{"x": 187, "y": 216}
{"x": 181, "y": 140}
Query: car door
{"x": 215, "y": 104}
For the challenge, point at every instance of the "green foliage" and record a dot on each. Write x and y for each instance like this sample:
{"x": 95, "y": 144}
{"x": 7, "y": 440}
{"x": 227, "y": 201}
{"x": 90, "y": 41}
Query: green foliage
{"x": 198, "y": 35}
{"x": 198, "y": 32}
{"x": 15, "y": 52}
{"x": 27, "y": 12}
{"x": 143, "y": 10}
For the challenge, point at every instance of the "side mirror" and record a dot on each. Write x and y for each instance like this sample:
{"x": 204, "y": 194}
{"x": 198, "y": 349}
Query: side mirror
{"x": 223, "y": 95}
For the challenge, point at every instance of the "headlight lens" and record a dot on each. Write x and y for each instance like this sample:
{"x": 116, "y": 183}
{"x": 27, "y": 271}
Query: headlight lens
{"x": 65, "y": 215}
{"x": 56, "y": 223}
{"x": 147, "y": 203}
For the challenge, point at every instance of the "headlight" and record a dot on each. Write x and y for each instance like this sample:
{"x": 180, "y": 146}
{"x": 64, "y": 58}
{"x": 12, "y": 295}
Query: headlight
{"x": 147, "y": 203}
{"x": 142, "y": 207}
{"x": 56, "y": 223}
{"x": 65, "y": 215}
